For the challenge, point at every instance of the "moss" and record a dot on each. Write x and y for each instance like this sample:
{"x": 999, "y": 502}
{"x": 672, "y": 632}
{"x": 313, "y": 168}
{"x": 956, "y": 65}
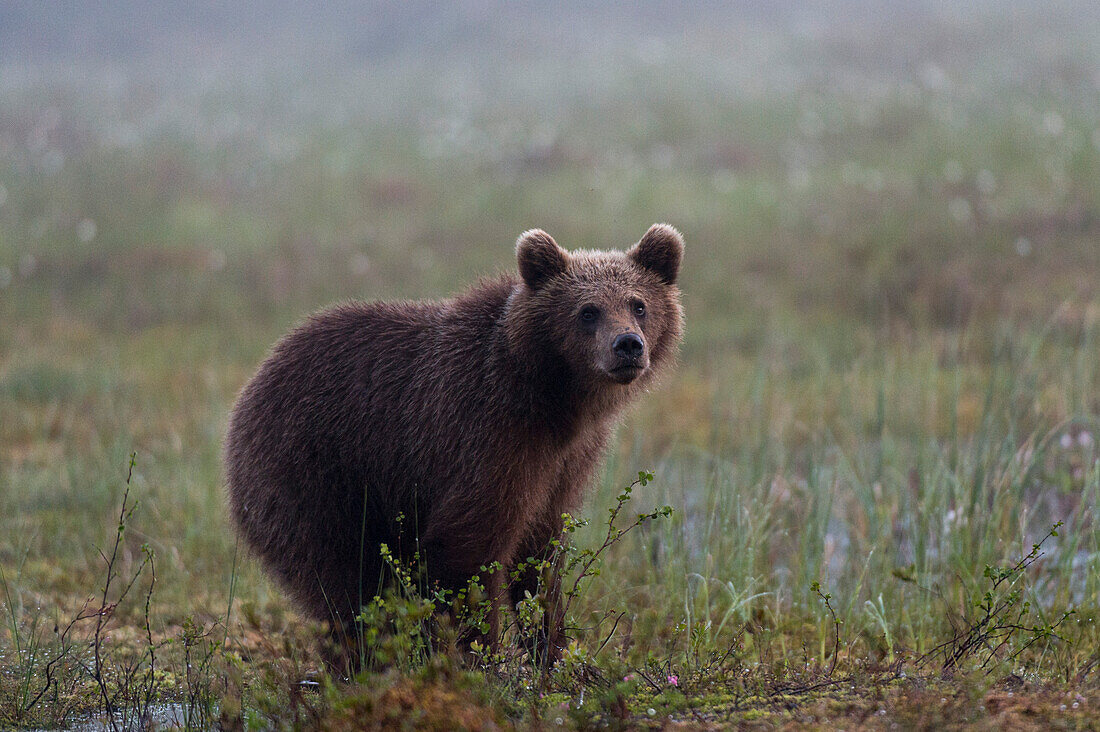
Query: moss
{"x": 437, "y": 698}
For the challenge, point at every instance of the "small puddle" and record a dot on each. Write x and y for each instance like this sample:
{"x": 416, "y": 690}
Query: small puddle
{"x": 161, "y": 716}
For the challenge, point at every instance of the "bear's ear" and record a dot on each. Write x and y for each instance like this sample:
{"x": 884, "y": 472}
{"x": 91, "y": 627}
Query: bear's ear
{"x": 539, "y": 257}
{"x": 660, "y": 251}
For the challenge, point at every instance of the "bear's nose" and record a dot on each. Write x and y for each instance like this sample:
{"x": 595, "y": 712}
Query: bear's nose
{"x": 628, "y": 346}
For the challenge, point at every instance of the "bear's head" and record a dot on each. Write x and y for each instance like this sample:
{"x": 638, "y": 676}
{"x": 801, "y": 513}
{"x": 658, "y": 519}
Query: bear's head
{"x": 605, "y": 318}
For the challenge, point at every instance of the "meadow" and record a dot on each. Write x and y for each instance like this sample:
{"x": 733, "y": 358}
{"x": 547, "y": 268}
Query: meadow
{"x": 888, "y": 393}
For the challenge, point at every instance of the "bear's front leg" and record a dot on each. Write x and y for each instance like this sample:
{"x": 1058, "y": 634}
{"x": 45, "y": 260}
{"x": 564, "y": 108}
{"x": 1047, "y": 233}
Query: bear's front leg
{"x": 476, "y": 582}
{"x": 536, "y": 572}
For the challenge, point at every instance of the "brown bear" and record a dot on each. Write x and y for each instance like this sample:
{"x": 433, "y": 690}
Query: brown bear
{"x": 461, "y": 428}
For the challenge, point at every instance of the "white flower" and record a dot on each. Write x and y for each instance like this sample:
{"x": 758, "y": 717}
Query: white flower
{"x": 1053, "y": 124}
{"x": 960, "y": 210}
{"x": 987, "y": 182}
{"x": 85, "y": 230}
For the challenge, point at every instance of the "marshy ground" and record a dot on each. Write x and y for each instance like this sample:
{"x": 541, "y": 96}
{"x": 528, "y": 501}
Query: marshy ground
{"x": 889, "y": 389}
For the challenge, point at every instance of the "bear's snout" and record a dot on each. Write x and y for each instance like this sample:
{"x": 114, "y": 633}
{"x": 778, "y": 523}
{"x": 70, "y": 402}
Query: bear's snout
{"x": 628, "y": 347}
{"x": 630, "y": 360}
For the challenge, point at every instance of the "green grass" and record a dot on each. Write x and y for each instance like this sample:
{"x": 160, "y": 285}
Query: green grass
{"x": 890, "y": 378}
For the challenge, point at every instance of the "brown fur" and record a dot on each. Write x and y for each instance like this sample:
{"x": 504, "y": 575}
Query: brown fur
{"x": 479, "y": 418}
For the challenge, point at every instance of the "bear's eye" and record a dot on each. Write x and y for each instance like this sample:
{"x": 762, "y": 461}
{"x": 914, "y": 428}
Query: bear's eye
{"x": 639, "y": 309}
{"x": 589, "y": 314}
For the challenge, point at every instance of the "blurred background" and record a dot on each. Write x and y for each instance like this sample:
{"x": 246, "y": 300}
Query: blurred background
{"x": 892, "y": 280}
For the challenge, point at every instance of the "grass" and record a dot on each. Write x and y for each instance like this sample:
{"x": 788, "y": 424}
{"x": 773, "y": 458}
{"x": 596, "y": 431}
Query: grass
{"x": 889, "y": 381}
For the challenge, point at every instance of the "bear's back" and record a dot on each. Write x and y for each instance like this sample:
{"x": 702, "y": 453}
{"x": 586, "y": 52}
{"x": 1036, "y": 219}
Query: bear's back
{"x": 364, "y": 386}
